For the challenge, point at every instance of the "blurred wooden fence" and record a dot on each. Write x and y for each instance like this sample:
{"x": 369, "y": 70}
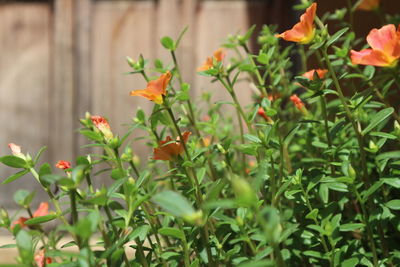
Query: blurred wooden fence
{"x": 61, "y": 58}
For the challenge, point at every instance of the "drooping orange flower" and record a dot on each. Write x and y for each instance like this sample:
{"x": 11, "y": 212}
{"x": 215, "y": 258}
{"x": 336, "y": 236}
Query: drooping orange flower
{"x": 155, "y": 89}
{"x": 310, "y": 74}
{"x": 101, "y": 123}
{"x": 385, "y": 48}
{"x": 168, "y": 150}
{"x": 63, "y": 164}
{"x": 42, "y": 210}
{"x": 41, "y": 260}
{"x": 297, "y": 102}
{"x": 303, "y": 32}
{"x": 218, "y": 56}
{"x": 368, "y": 5}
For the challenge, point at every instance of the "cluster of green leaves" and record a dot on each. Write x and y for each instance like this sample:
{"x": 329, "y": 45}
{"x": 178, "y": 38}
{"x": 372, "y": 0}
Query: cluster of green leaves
{"x": 312, "y": 187}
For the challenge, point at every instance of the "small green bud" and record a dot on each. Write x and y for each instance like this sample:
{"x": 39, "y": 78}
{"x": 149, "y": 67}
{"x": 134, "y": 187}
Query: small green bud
{"x": 195, "y": 218}
{"x": 4, "y": 218}
{"x": 239, "y": 221}
{"x": 373, "y": 147}
{"x": 244, "y": 193}
{"x": 351, "y": 172}
{"x": 131, "y": 181}
{"x": 131, "y": 62}
{"x": 221, "y": 149}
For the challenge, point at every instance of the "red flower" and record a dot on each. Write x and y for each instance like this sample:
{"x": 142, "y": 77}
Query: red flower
{"x": 101, "y": 123}
{"x": 63, "y": 164}
{"x": 310, "y": 74}
{"x": 155, "y": 89}
{"x": 385, "y": 44}
{"x": 304, "y": 31}
{"x": 297, "y": 102}
{"x": 261, "y": 112}
{"x": 42, "y": 210}
{"x": 368, "y": 5}
{"x": 218, "y": 56}
{"x": 41, "y": 260}
{"x": 168, "y": 150}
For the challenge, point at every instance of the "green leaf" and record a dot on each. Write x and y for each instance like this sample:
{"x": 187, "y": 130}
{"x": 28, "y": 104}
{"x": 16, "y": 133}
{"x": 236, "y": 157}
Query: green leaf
{"x": 140, "y": 232}
{"x": 170, "y": 231}
{"x": 42, "y": 149}
{"x": 378, "y": 118}
{"x": 92, "y": 135}
{"x": 14, "y": 162}
{"x": 168, "y": 43}
{"x": 352, "y": 262}
{"x": 174, "y": 203}
{"x": 393, "y": 204}
{"x": 23, "y": 197}
{"x": 15, "y": 176}
{"x": 41, "y": 219}
{"x": 252, "y": 138}
{"x": 78, "y": 174}
{"x": 348, "y": 227}
{"x": 312, "y": 214}
{"x": 25, "y": 247}
{"x": 336, "y": 36}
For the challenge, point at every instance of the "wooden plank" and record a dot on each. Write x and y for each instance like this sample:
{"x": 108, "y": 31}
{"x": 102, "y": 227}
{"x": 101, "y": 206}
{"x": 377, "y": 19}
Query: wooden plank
{"x": 24, "y": 86}
{"x": 120, "y": 29}
{"x": 63, "y": 143}
{"x": 216, "y": 15}
{"x": 82, "y": 65}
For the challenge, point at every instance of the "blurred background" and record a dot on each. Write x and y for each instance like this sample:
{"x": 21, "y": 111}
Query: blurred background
{"x": 61, "y": 58}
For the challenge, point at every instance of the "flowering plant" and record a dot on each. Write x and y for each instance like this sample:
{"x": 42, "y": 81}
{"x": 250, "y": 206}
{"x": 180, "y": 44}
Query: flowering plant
{"x": 307, "y": 175}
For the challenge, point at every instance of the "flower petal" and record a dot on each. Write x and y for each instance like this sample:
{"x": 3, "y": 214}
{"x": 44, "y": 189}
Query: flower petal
{"x": 371, "y": 57}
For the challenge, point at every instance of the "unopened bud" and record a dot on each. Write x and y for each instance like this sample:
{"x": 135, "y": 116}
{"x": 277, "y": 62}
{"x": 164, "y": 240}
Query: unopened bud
{"x": 221, "y": 149}
{"x": 4, "y": 218}
{"x": 136, "y": 160}
{"x": 373, "y": 147}
{"x": 195, "y": 218}
{"x": 243, "y": 191}
{"x": 131, "y": 62}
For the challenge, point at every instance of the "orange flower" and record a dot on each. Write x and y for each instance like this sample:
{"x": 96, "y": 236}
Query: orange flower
{"x": 304, "y": 31}
{"x": 155, "y": 89}
{"x": 385, "y": 44}
{"x": 42, "y": 210}
{"x": 297, "y": 102}
{"x": 168, "y": 150}
{"x": 368, "y": 5}
{"x": 41, "y": 260}
{"x": 63, "y": 164}
{"x": 310, "y": 74}
{"x": 101, "y": 123}
{"x": 218, "y": 56}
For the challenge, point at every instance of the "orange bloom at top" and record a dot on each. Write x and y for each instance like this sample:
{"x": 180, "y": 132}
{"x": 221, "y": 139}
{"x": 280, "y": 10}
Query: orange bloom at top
{"x": 304, "y": 31}
{"x": 102, "y": 125}
{"x": 155, "y": 89}
{"x": 42, "y": 210}
{"x": 368, "y": 5}
{"x": 310, "y": 74}
{"x": 385, "y": 48}
{"x": 63, "y": 164}
{"x": 168, "y": 150}
{"x": 218, "y": 56}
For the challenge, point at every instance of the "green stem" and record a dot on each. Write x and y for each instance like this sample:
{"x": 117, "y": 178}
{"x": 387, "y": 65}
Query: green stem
{"x": 366, "y": 222}
{"x": 350, "y": 117}
{"x": 328, "y": 136}
{"x": 260, "y": 80}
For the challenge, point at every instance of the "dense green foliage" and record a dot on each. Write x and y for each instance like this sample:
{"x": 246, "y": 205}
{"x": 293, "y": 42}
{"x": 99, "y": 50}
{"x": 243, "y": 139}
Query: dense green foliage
{"x": 285, "y": 181}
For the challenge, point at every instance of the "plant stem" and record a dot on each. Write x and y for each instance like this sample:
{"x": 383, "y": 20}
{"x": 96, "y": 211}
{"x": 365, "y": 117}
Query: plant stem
{"x": 328, "y": 136}
{"x": 260, "y": 80}
{"x": 343, "y": 100}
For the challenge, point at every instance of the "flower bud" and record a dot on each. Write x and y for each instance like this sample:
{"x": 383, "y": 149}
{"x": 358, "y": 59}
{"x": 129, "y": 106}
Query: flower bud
{"x": 131, "y": 62}
{"x": 4, "y": 218}
{"x": 244, "y": 193}
{"x": 373, "y": 147}
{"x": 195, "y": 218}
